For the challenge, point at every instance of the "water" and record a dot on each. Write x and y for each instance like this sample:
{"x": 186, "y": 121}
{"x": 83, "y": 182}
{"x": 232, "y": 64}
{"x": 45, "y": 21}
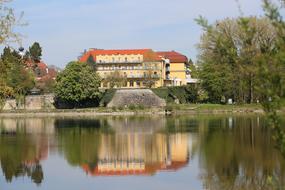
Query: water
{"x": 181, "y": 152}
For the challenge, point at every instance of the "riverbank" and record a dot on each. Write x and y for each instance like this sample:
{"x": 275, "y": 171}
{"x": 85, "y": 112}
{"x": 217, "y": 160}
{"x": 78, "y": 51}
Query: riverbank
{"x": 172, "y": 109}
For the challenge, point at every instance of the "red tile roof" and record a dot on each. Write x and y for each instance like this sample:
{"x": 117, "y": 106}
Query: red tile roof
{"x": 148, "y": 170}
{"x": 173, "y": 56}
{"x": 96, "y": 52}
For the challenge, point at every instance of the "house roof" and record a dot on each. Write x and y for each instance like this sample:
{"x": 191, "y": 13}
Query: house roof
{"x": 95, "y": 52}
{"x": 173, "y": 56}
{"x": 148, "y": 170}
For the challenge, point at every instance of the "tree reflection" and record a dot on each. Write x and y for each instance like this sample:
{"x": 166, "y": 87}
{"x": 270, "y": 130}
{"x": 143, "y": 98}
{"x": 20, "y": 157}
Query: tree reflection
{"x": 21, "y": 150}
{"x": 240, "y": 156}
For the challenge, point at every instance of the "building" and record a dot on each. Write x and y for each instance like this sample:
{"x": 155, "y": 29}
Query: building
{"x": 138, "y": 68}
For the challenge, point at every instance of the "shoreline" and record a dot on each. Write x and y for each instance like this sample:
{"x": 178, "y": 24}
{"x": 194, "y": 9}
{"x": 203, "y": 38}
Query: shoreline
{"x": 108, "y": 112}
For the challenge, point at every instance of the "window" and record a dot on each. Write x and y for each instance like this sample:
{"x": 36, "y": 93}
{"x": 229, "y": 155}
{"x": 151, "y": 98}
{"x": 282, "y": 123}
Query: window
{"x": 139, "y": 58}
{"x": 138, "y": 83}
{"x": 126, "y": 59}
{"x": 113, "y": 59}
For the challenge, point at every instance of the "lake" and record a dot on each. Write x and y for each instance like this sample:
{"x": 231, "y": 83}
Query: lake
{"x": 158, "y": 152}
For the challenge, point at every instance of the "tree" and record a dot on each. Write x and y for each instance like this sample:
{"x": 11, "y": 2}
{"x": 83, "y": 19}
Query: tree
{"x": 229, "y": 50}
{"x": 272, "y": 74}
{"x": 150, "y": 78}
{"x": 35, "y": 52}
{"x": 20, "y": 79}
{"x": 78, "y": 85}
{"x": 116, "y": 79}
{"x": 8, "y": 22}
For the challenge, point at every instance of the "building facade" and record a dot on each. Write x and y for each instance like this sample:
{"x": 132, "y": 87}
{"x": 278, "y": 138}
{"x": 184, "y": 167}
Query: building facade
{"x": 138, "y": 68}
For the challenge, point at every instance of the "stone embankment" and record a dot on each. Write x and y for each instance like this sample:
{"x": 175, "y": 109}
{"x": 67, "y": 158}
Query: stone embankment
{"x": 38, "y": 102}
{"x": 143, "y": 97}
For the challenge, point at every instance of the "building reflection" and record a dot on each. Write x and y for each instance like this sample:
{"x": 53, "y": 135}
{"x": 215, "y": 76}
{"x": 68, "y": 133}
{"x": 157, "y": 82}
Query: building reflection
{"x": 232, "y": 152}
{"x": 130, "y": 146}
{"x": 139, "y": 154}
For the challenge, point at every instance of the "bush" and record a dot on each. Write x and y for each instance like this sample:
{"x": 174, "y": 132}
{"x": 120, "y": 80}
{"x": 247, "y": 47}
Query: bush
{"x": 132, "y": 107}
{"x": 185, "y": 94}
{"x": 107, "y": 97}
{"x": 141, "y": 107}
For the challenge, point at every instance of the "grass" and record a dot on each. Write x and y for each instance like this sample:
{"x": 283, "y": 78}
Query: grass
{"x": 212, "y": 107}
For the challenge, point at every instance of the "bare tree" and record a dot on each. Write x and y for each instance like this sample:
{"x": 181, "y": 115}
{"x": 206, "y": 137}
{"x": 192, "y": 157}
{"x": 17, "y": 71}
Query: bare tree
{"x": 116, "y": 79}
{"x": 8, "y": 22}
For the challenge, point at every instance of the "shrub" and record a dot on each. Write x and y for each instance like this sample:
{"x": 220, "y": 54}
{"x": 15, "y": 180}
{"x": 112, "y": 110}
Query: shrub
{"x": 132, "y": 107}
{"x": 185, "y": 94}
{"x": 141, "y": 107}
{"x": 107, "y": 97}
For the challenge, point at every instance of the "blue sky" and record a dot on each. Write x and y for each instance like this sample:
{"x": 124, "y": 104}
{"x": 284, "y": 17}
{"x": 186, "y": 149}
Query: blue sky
{"x": 65, "y": 28}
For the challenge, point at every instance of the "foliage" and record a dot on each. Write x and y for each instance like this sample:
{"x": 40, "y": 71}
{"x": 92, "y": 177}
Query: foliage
{"x": 35, "y": 52}
{"x": 107, "y": 97}
{"x": 185, "y": 94}
{"x": 8, "y": 22}
{"x": 229, "y": 50}
{"x": 150, "y": 78}
{"x": 272, "y": 75}
{"x": 90, "y": 61}
{"x": 78, "y": 85}
{"x": 116, "y": 79}
{"x": 13, "y": 73}
{"x": 46, "y": 85}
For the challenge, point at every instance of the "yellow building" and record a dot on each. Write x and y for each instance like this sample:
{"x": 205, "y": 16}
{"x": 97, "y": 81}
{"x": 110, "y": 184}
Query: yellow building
{"x": 138, "y": 68}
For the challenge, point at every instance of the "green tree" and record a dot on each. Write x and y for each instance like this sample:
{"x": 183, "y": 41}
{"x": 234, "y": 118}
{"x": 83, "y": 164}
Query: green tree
{"x": 272, "y": 74}
{"x": 35, "y": 52}
{"x": 20, "y": 79}
{"x": 229, "y": 50}
{"x": 78, "y": 85}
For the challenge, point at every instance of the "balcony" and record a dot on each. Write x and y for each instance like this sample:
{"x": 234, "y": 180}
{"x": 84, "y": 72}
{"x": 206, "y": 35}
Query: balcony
{"x": 135, "y": 76}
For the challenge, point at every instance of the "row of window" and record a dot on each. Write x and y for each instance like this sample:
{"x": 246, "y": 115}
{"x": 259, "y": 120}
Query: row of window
{"x": 125, "y": 68}
{"x": 119, "y": 60}
{"x": 131, "y": 84}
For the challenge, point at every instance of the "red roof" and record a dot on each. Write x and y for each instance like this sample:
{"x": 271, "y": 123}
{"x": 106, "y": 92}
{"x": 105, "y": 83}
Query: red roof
{"x": 173, "y": 56}
{"x": 148, "y": 170}
{"x": 96, "y": 52}
{"x": 42, "y": 65}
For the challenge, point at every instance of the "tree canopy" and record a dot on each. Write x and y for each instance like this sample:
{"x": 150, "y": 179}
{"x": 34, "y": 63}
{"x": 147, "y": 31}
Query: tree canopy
{"x": 78, "y": 85}
{"x": 15, "y": 78}
{"x": 229, "y": 54}
{"x": 35, "y": 52}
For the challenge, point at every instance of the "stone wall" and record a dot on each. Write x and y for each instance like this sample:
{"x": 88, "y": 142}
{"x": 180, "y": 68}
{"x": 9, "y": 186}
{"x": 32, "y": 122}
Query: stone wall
{"x": 37, "y": 102}
{"x": 144, "y": 97}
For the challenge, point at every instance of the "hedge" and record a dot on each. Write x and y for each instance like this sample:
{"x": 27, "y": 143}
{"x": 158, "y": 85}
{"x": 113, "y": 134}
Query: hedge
{"x": 185, "y": 94}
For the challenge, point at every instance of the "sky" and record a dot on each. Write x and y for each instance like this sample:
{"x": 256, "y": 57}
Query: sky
{"x": 64, "y": 28}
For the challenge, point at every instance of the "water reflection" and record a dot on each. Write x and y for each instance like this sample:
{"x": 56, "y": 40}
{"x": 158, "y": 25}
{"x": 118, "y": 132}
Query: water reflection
{"x": 234, "y": 152}
{"x": 128, "y": 146}
{"x": 23, "y": 144}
